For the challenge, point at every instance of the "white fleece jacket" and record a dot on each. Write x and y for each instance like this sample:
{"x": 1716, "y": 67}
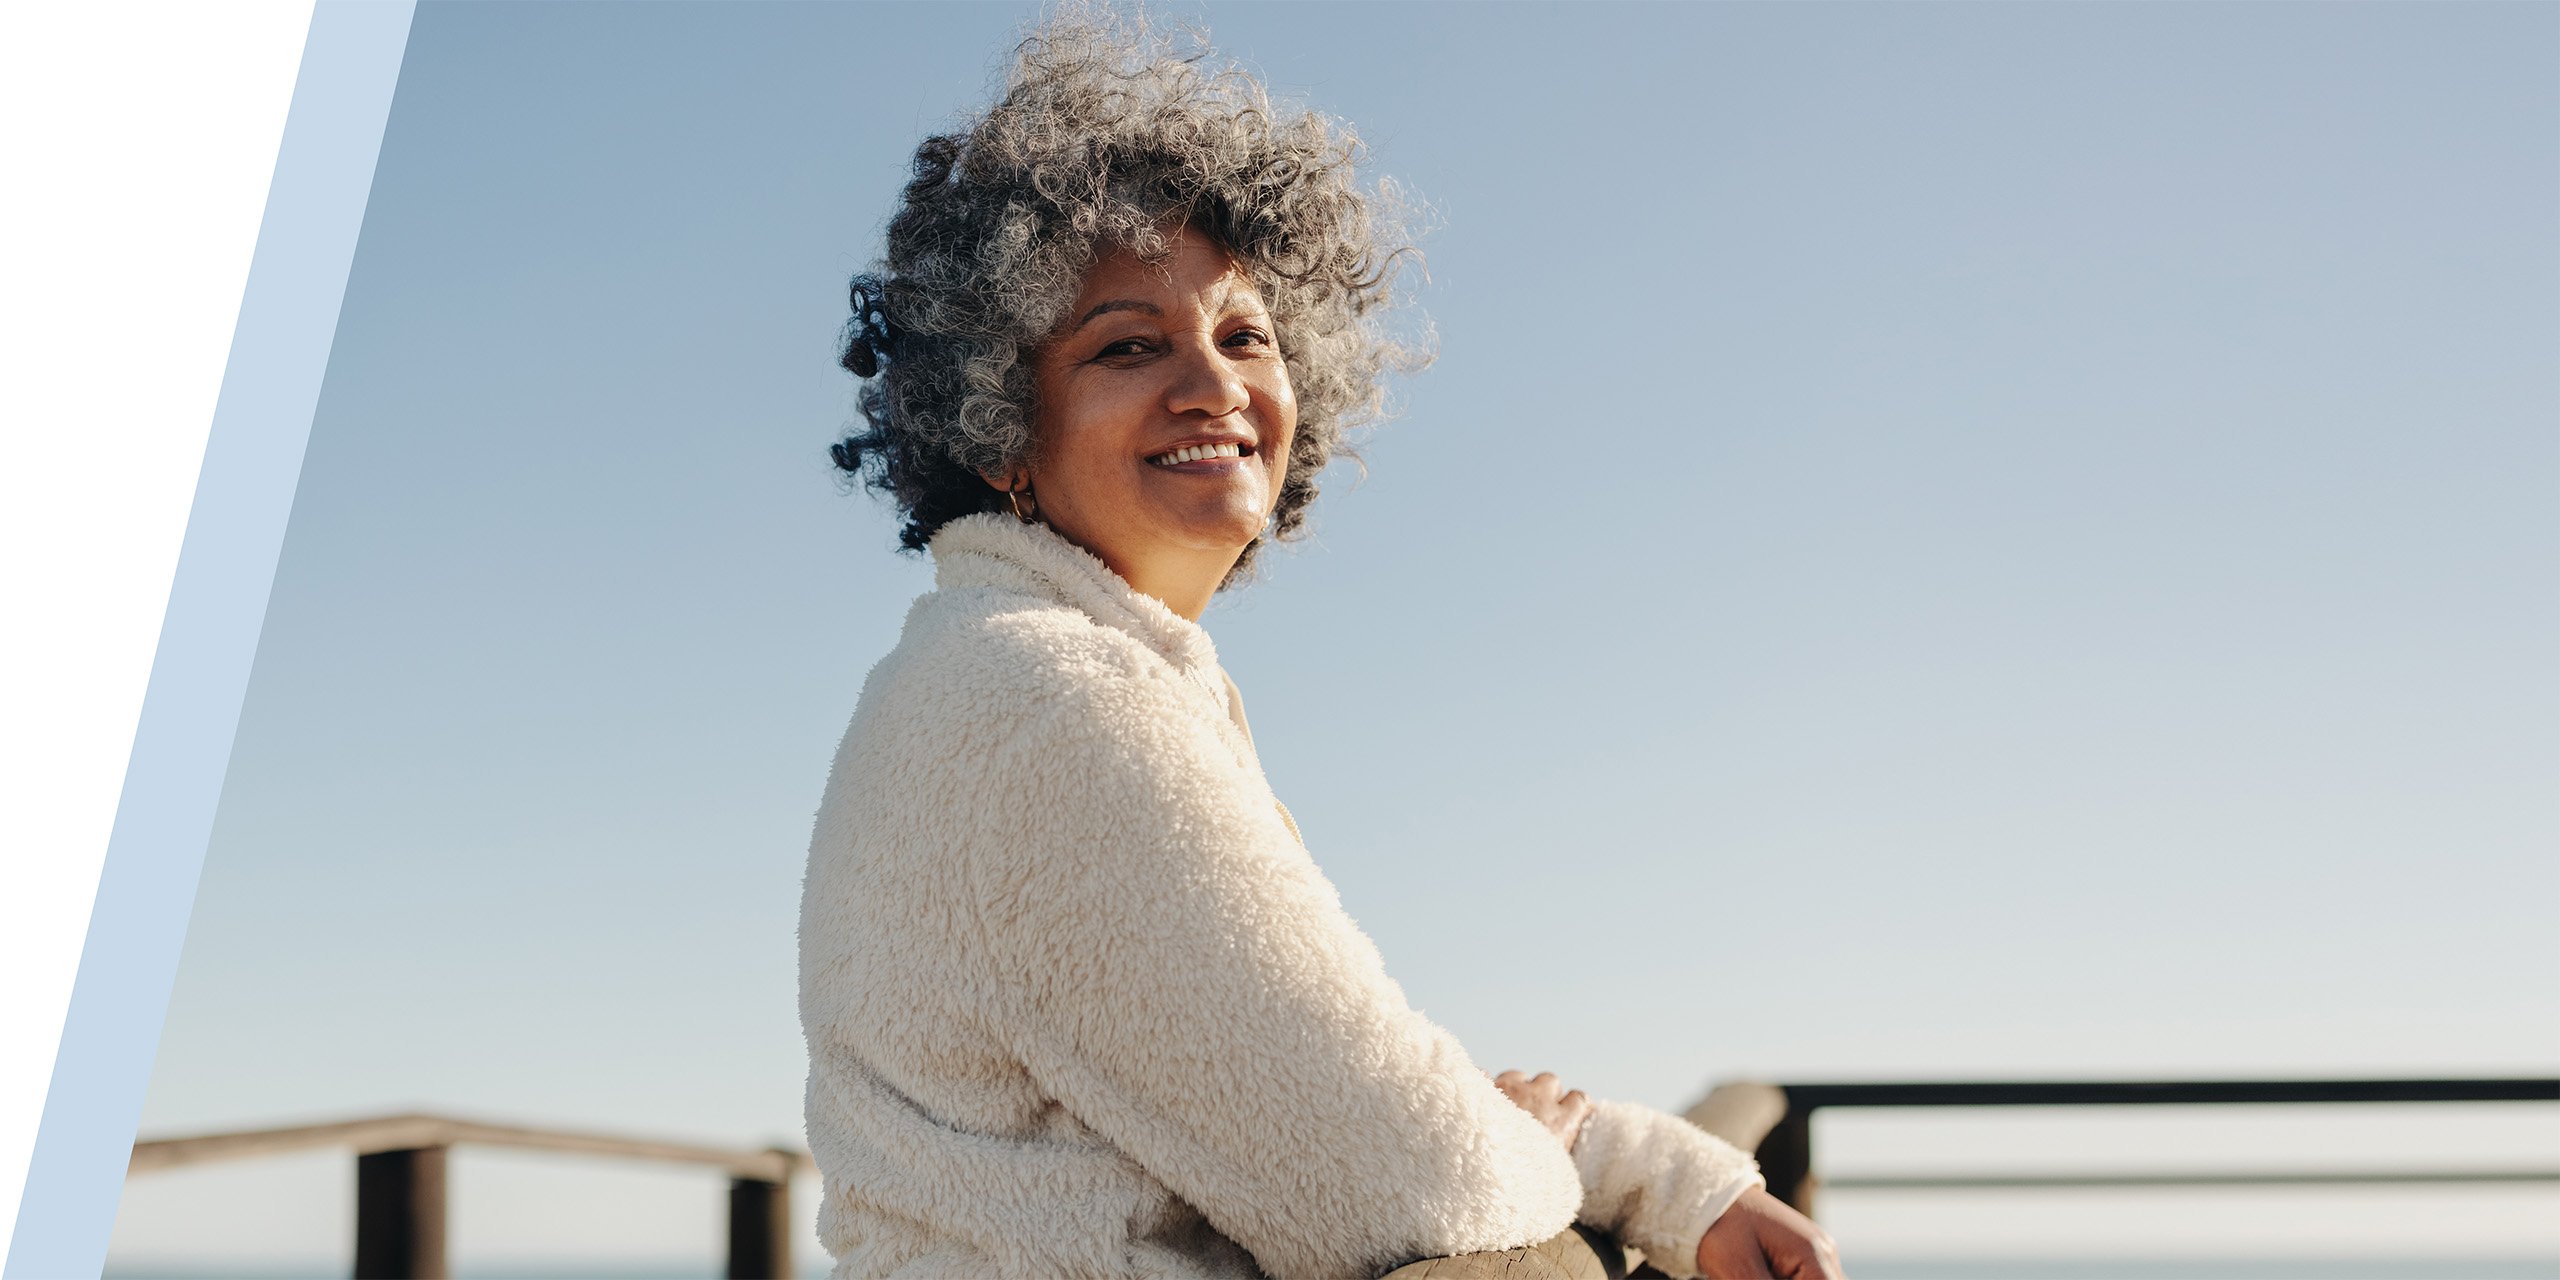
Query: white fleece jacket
{"x": 1079, "y": 1003}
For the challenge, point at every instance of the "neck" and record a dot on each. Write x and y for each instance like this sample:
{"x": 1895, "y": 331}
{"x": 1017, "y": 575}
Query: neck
{"x": 1183, "y": 581}
{"x": 1182, "y": 578}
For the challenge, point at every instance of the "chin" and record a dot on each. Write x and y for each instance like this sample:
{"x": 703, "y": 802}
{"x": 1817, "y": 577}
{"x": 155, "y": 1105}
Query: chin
{"x": 1216, "y": 535}
{"x": 1232, "y": 535}
{"x": 1220, "y": 525}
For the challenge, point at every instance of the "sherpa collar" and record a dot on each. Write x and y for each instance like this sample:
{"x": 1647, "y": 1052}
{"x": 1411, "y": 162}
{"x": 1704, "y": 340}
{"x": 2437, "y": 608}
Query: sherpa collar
{"x": 992, "y": 549}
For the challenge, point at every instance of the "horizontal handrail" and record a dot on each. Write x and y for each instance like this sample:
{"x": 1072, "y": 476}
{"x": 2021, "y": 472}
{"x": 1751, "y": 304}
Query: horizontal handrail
{"x": 2017, "y": 1093}
{"x": 2268, "y": 1178}
{"x": 1775, "y": 1122}
{"x": 409, "y": 1132}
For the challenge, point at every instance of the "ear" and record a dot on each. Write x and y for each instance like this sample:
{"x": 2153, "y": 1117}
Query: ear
{"x": 1006, "y": 483}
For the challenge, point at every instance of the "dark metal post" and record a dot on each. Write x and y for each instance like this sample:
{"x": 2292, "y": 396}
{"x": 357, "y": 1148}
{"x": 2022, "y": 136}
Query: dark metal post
{"x": 400, "y": 1215}
{"x": 1786, "y": 1158}
{"x": 759, "y": 1229}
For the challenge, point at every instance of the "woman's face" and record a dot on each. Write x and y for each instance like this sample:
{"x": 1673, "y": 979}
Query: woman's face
{"x": 1165, "y": 415}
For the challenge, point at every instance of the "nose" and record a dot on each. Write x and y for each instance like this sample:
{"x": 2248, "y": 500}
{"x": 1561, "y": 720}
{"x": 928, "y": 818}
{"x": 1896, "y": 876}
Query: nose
{"x": 1206, "y": 382}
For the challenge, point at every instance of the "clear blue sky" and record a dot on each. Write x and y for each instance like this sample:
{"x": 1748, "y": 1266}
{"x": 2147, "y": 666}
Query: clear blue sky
{"x": 1945, "y": 541}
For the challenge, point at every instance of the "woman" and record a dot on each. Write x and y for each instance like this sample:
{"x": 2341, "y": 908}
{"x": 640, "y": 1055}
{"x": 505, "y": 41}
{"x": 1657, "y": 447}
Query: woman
{"x": 1078, "y": 1002}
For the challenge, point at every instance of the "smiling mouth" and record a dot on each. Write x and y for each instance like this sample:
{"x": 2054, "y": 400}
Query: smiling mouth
{"x": 1202, "y": 453}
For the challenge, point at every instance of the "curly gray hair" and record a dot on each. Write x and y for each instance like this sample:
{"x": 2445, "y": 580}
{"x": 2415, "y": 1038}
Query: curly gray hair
{"x": 1109, "y": 136}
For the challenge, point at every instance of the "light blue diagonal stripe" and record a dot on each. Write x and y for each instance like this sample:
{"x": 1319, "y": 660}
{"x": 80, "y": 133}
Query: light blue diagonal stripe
{"x": 253, "y": 456}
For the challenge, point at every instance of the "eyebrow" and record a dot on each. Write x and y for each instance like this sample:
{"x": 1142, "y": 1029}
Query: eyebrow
{"x": 1118, "y": 304}
{"x": 1226, "y": 301}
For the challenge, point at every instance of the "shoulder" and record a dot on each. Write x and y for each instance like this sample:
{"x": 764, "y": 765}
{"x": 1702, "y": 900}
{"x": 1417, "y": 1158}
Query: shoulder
{"x": 982, "y": 676}
{"x": 1026, "y": 735}
{"x": 1001, "y": 654}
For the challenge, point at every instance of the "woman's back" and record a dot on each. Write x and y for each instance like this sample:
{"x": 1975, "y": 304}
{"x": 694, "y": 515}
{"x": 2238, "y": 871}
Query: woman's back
{"x": 1066, "y": 972}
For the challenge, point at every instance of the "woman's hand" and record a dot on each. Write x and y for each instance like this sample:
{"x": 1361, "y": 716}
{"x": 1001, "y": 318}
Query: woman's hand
{"x": 1544, "y": 1096}
{"x": 1761, "y": 1238}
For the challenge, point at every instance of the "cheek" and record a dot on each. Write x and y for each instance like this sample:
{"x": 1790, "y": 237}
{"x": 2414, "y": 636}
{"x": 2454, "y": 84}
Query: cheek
{"x": 1085, "y": 430}
{"x": 1282, "y": 439}
{"x": 1283, "y": 404}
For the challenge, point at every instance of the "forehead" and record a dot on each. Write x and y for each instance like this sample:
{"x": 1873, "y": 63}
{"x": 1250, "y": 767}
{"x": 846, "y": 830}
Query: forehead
{"x": 1196, "y": 270}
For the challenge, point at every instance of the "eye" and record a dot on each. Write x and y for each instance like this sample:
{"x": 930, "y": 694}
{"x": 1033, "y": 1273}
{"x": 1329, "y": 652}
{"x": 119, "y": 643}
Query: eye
{"x": 1122, "y": 348}
{"x": 1248, "y": 336}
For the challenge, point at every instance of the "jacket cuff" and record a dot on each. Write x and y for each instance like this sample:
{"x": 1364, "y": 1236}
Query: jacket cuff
{"x": 1658, "y": 1182}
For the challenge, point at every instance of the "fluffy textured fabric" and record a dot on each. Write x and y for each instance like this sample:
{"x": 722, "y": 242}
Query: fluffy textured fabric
{"x": 1079, "y": 1003}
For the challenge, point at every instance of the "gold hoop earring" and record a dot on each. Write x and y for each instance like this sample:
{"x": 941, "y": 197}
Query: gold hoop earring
{"x": 1025, "y": 507}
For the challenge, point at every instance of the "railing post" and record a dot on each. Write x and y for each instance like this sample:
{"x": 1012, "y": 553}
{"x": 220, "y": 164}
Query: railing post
{"x": 760, "y": 1228}
{"x": 1786, "y": 1158}
{"x": 400, "y": 1215}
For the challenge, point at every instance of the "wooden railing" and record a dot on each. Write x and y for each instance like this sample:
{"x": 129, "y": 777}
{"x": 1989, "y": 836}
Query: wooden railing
{"x": 1776, "y": 1123}
{"x": 400, "y": 1163}
{"x": 400, "y": 1183}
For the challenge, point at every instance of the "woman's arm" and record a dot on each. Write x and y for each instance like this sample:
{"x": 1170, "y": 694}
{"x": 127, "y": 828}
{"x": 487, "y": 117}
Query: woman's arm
{"x": 1185, "y": 982}
{"x": 1649, "y": 1181}
{"x": 1659, "y": 1183}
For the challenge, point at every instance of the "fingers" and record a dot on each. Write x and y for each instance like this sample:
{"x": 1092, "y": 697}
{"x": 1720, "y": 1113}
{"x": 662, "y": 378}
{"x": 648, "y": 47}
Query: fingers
{"x": 1797, "y": 1249}
{"x": 1577, "y": 1107}
{"x": 1543, "y": 1086}
{"x": 1822, "y": 1266}
{"x": 1762, "y": 1238}
{"x": 1743, "y": 1269}
{"x": 1731, "y": 1255}
{"x": 1577, "y": 1113}
{"x": 1544, "y": 1097}
{"x": 1808, "y": 1265}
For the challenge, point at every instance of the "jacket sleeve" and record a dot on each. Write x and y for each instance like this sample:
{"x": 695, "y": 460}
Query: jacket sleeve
{"x": 1182, "y": 979}
{"x": 1657, "y": 1182}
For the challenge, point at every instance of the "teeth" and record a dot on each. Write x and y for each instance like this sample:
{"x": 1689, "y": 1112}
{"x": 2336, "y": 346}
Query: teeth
{"x": 1194, "y": 453}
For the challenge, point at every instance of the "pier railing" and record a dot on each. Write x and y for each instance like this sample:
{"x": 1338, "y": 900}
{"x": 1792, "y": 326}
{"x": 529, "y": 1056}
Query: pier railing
{"x": 400, "y": 1162}
{"x": 400, "y": 1182}
{"x": 1776, "y": 1122}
